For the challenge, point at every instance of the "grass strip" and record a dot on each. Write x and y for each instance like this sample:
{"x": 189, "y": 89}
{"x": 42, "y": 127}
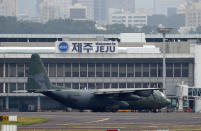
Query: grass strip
{"x": 26, "y": 121}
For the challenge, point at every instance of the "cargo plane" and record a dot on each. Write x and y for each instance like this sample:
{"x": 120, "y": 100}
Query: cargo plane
{"x": 97, "y": 100}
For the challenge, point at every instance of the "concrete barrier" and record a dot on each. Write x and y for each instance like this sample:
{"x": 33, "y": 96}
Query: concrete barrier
{"x": 13, "y": 118}
{"x": 9, "y": 128}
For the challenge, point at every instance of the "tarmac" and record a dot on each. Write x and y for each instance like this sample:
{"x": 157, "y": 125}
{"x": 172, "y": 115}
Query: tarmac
{"x": 58, "y": 120}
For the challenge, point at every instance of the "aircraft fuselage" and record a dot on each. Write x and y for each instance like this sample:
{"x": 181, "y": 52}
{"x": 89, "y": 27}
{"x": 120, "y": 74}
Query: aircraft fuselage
{"x": 85, "y": 99}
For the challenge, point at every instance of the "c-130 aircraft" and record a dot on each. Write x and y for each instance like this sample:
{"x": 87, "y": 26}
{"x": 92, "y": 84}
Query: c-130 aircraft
{"x": 97, "y": 100}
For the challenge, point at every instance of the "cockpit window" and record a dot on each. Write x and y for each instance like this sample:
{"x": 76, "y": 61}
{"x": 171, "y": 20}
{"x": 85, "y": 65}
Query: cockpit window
{"x": 159, "y": 93}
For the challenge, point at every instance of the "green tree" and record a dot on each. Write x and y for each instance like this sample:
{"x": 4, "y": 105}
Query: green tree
{"x": 10, "y": 25}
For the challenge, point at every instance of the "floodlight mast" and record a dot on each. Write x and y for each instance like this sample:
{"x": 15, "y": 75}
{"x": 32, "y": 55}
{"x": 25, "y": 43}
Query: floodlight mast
{"x": 164, "y": 31}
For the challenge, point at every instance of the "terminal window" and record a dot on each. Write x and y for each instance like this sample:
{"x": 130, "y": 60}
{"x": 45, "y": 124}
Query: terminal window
{"x": 83, "y": 86}
{"x": 60, "y": 68}
{"x": 1, "y": 70}
{"x": 100, "y": 86}
{"x": 67, "y": 70}
{"x": 130, "y": 85}
{"x": 177, "y": 70}
{"x": 153, "y": 70}
{"x": 138, "y": 70}
{"x": 52, "y": 70}
{"x": 83, "y": 70}
{"x": 122, "y": 85}
{"x": 106, "y": 70}
{"x": 91, "y": 70}
{"x": 169, "y": 70}
{"x": 67, "y": 85}
{"x": 106, "y": 85}
{"x": 75, "y": 70}
{"x": 130, "y": 70}
{"x": 99, "y": 70}
{"x": 92, "y": 86}
{"x": 185, "y": 70}
{"x": 160, "y": 70}
{"x": 122, "y": 70}
{"x": 20, "y": 86}
{"x": 1, "y": 88}
{"x": 145, "y": 70}
{"x": 114, "y": 70}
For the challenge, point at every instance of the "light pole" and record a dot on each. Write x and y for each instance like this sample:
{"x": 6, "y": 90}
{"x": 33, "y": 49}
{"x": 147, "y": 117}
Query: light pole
{"x": 164, "y": 31}
{"x": 4, "y": 84}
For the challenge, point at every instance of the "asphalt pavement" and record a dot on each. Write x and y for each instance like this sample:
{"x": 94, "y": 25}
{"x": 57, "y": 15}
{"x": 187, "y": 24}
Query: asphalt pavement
{"x": 119, "y": 119}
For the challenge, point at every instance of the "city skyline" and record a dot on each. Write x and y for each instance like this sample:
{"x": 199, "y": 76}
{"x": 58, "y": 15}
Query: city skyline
{"x": 29, "y": 6}
{"x": 106, "y": 12}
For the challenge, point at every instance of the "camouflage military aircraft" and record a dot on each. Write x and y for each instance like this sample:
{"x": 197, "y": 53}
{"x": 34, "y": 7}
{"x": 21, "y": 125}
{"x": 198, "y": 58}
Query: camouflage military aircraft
{"x": 98, "y": 100}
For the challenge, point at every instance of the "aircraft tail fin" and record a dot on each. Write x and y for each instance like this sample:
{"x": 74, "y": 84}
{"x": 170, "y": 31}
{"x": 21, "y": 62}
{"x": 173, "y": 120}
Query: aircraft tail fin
{"x": 38, "y": 80}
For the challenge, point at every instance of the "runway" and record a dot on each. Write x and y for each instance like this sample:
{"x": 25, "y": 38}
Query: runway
{"x": 100, "y": 120}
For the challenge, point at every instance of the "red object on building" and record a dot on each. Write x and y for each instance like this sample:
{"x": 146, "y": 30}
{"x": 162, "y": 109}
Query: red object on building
{"x": 113, "y": 129}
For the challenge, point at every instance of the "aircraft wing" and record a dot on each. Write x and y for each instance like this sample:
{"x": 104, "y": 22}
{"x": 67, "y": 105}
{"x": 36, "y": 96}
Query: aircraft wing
{"x": 122, "y": 91}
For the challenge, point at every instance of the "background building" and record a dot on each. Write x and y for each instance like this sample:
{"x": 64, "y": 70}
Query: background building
{"x": 38, "y": 2}
{"x": 128, "y": 19}
{"x": 171, "y": 11}
{"x": 191, "y": 10}
{"x": 181, "y": 9}
{"x": 90, "y": 8}
{"x": 193, "y": 15}
{"x": 161, "y": 6}
{"x": 78, "y": 12}
{"x": 54, "y": 9}
{"x": 8, "y": 8}
{"x": 100, "y": 11}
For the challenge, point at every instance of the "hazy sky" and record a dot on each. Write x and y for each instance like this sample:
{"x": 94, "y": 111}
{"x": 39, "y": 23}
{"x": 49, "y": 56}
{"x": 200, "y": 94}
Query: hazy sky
{"x": 30, "y": 5}
{"x": 144, "y": 4}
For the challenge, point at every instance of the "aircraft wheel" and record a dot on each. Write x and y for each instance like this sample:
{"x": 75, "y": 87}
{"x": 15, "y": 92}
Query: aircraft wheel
{"x": 155, "y": 111}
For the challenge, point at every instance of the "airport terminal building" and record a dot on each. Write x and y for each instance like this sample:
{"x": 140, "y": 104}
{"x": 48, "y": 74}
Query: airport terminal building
{"x": 91, "y": 62}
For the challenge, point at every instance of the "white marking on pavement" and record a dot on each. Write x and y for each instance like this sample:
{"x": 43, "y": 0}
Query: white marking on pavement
{"x": 88, "y": 122}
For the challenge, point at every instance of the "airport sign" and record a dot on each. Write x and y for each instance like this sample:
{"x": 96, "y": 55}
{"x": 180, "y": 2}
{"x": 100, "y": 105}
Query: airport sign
{"x": 63, "y": 46}
{"x": 86, "y": 47}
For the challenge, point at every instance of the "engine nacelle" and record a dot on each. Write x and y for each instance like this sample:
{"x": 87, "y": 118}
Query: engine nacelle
{"x": 123, "y": 104}
{"x": 133, "y": 97}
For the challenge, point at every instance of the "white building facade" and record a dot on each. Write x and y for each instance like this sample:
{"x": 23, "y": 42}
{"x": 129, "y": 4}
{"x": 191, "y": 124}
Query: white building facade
{"x": 193, "y": 15}
{"x": 128, "y": 19}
